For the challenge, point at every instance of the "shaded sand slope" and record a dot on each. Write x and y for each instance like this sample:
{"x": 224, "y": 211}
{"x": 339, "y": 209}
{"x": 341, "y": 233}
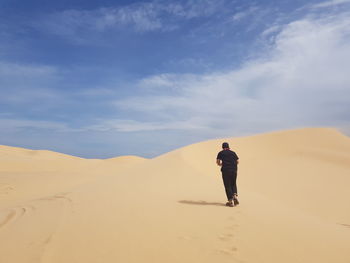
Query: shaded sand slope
{"x": 308, "y": 168}
{"x": 35, "y": 173}
{"x": 292, "y": 184}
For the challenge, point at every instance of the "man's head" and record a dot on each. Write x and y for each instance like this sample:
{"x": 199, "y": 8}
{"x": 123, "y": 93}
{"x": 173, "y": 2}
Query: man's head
{"x": 225, "y": 145}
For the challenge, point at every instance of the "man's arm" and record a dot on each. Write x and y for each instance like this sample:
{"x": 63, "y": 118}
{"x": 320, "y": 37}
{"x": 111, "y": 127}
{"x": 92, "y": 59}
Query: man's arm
{"x": 218, "y": 162}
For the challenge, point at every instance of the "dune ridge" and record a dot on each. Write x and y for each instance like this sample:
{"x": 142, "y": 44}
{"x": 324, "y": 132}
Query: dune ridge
{"x": 293, "y": 187}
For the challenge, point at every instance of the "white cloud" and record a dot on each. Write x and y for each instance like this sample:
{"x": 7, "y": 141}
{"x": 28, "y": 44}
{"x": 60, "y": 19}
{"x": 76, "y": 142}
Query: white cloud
{"x": 271, "y": 30}
{"x": 26, "y": 82}
{"x": 243, "y": 14}
{"x": 121, "y": 125}
{"x": 13, "y": 125}
{"x": 302, "y": 80}
{"x": 330, "y": 3}
{"x": 162, "y": 80}
{"x": 22, "y": 70}
{"x": 79, "y": 25}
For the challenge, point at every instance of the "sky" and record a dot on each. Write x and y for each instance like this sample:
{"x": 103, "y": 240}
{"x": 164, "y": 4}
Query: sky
{"x": 100, "y": 79}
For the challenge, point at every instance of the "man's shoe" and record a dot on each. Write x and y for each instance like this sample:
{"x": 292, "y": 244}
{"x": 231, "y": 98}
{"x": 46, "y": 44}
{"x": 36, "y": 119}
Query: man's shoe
{"x": 229, "y": 203}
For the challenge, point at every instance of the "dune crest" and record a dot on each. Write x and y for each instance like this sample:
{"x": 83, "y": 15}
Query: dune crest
{"x": 293, "y": 187}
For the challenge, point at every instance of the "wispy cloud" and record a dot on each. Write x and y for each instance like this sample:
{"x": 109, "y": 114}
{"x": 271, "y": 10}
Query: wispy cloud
{"x": 15, "y": 125}
{"x": 139, "y": 17}
{"x": 303, "y": 80}
{"x": 25, "y": 70}
{"x": 250, "y": 67}
{"x": 82, "y": 25}
{"x": 330, "y": 3}
{"x": 21, "y": 82}
{"x": 122, "y": 125}
{"x": 246, "y": 13}
{"x": 272, "y": 30}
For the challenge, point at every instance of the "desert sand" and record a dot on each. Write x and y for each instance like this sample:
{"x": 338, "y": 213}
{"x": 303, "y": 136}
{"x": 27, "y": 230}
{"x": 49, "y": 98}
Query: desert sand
{"x": 293, "y": 188}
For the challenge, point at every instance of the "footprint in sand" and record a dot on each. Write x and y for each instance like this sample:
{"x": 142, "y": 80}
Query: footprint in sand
{"x": 57, "y": 197}
{"x": 226, "y": 237}
{"x": 63, "y": 197}
{"x": 232, "y": 227}
{"x": 47, "y": 240}
{"x": 225, "y": 251}
{"x": 5, "y": 189}
{"x": 10, "y": 215}
{"x": 346, "y": 225}
{"x": 6, "y": 218}
{"x": 231, "y": 252}
{"x": 228, "y": 251}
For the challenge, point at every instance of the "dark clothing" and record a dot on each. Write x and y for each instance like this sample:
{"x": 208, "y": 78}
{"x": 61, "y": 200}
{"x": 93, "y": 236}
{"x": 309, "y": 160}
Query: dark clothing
{"x": 229, "y": 160}
{"x": 229, "y": 177}
{"x": 229, "y": 171}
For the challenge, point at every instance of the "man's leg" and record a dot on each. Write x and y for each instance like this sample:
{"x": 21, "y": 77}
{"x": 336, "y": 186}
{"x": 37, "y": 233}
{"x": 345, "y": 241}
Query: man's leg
{"x": 234, "y": 187}
{"x": 234, "y": 184}
{"x": 227, "y": 179}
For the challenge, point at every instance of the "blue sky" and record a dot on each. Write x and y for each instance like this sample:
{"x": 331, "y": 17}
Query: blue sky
{"x": 99, "y": 79}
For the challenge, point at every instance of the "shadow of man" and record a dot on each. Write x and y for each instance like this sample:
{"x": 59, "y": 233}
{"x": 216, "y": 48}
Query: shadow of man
{"x": 190, "y": 202}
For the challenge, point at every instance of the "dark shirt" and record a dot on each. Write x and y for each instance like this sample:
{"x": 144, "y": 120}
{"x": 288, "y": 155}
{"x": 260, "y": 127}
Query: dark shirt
{"x": 229, "y": 160}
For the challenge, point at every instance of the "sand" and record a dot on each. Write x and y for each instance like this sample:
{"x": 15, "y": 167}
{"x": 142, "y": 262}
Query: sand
{"x": 293, "y": 189}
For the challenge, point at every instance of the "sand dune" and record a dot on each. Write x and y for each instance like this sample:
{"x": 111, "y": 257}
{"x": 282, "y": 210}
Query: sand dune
{"x": 293, "y": 188}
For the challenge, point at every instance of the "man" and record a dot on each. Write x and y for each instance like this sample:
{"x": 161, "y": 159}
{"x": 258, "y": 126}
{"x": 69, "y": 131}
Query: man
{"x": 228, "y": 161}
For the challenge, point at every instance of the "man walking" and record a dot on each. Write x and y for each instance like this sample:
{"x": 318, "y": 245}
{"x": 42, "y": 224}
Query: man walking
{"x": 228, "y": 161}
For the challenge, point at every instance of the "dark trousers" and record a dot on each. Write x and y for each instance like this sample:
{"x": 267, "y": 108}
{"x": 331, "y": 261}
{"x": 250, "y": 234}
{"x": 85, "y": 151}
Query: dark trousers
{"x": 229, "y": 177}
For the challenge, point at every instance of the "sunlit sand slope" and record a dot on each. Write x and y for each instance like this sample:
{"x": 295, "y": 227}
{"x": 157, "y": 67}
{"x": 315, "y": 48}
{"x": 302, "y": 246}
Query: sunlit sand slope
{"x": 293, "y": 188}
